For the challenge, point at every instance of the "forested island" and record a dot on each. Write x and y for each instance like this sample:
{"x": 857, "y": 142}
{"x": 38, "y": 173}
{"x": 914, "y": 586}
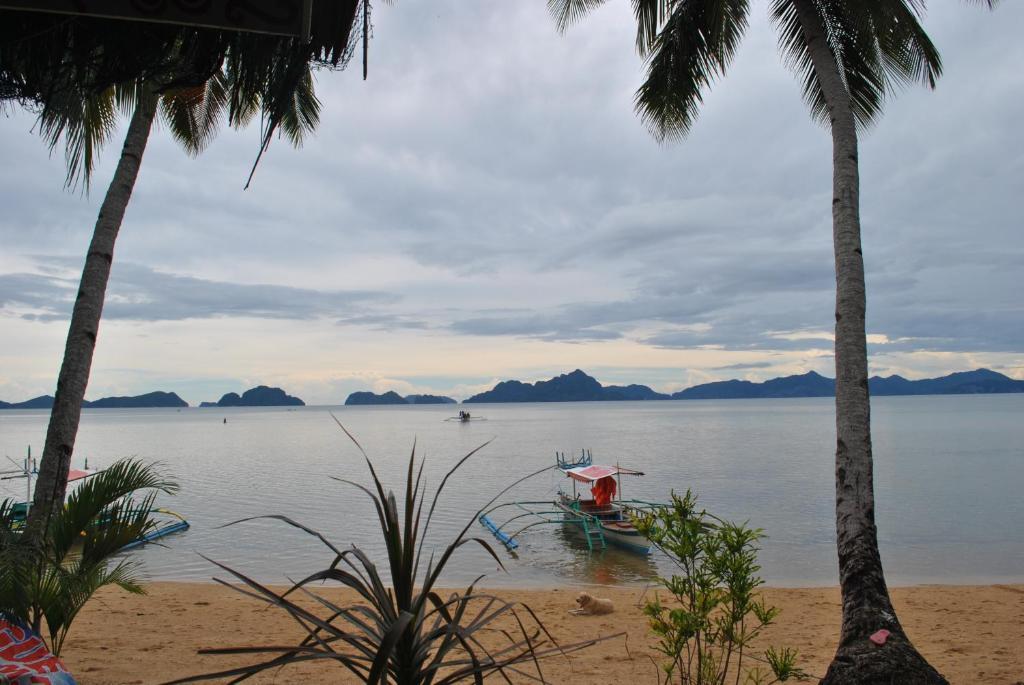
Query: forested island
{"x": 579, "y": 387}
{"x": 392, "y": 397}
{"x": 260, "y": 396}
{"x": 150, "y": 400}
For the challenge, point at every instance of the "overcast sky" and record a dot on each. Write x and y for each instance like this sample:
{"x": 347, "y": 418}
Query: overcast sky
{"x": 488, "y": 206}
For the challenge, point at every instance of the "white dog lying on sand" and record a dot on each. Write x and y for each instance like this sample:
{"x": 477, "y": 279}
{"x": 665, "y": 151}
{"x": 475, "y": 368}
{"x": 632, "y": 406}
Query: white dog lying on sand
{"x": 592, "y": 606}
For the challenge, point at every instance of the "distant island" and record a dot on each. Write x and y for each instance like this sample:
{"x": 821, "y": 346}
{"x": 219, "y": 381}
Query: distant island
{"x": 41, "y": 402}
{"x": 260, "y": 396}
{"x": 392, "y": 397}
{"x": 579, "y": 387}
{"x": 569, "y": 387}
{"x": 811, "y": 384}
{"x": 149, "y": 400}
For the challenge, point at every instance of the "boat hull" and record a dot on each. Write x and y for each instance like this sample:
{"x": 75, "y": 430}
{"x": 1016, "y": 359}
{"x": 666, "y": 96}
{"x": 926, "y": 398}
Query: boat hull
{"x": 631, "y": 541}
{"x": 615, "y": 527}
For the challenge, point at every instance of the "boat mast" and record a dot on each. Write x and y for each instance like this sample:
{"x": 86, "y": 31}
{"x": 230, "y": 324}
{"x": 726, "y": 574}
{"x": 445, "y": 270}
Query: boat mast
{"x": 618, "y": 479}
{"x": 28, "y": 481}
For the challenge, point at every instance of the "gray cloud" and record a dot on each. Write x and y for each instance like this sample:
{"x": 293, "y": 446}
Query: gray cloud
{"x": 555, "y": 326}
{"x": 140, "y": 293}
{"x": 517, "y": 160}
{"x": 739, "y": 367}
{"x": 384, "y": 322}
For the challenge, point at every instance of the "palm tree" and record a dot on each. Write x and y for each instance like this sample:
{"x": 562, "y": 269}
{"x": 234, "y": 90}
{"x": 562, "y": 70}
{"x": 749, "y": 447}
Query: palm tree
{"x": 74, "y": 70}
{"x": 848, "y": 54}
{"x": 56, "y": 579}
{"x": 191, "y": 111}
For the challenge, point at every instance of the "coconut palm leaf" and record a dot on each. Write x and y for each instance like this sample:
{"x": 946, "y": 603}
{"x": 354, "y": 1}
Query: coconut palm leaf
{"x": 694, "y": 46}
{"x": 193, "y": 113}
{"x": 65, "y": 590}
{"x": 84, "y": 124}
{"x": 102, "y": 511}
{"x": 77, "y": 558}
{"x": 877, "y": 46}
{"x": 17, "y": 562}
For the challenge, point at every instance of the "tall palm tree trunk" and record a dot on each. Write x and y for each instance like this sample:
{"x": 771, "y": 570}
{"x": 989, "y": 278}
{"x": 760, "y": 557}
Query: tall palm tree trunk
{"x": 85, "y": 322}
{"x": 866, "y": 604}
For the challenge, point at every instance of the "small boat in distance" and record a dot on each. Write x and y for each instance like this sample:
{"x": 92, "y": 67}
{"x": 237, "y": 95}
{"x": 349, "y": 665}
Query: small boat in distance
{"x": 465, "y": 417}
{"x": 604, "y": 518}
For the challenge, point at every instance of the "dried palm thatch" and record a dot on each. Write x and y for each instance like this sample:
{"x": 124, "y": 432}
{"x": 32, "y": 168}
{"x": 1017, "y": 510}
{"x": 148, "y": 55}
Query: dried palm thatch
{"x": 51, "y": 63}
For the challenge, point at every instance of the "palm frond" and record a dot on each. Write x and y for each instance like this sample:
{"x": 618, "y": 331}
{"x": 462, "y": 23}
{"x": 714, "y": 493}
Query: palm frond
{"x": 302, "y": 116}
{"x": 99, "y": 508}
{"x": 695, "y": 46}
{"x": 877, "y": 46}
{"x": 192, "y": 113}
{"x": 650, "y": 16}
{"x": 567, "y": 12}
{"x": 84, "y": 125}
{"x": 17, "y": 563}
{"x": 65, "y": 590}
{"x": 907, "y": 53}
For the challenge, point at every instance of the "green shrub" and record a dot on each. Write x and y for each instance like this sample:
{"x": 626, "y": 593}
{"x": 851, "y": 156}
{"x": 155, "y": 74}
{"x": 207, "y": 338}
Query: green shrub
{"x": 54, "y": 581}
{"x": 717, "y": 611}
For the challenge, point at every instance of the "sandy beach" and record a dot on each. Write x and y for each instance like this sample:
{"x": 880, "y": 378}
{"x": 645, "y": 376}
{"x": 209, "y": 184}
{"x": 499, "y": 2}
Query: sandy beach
{"x": 972, "y": 634}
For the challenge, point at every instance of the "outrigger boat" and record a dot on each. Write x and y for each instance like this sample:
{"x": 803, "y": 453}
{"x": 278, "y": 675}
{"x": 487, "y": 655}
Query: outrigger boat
{"x": 604, "y": 518}
{"x": 166, "y": 521}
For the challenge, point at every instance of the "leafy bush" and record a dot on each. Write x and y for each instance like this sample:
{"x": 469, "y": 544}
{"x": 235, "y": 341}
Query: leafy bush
{"x": 56, "y": 580}
{"x": 407, "y": 634}
{"x": 717, "y": 611}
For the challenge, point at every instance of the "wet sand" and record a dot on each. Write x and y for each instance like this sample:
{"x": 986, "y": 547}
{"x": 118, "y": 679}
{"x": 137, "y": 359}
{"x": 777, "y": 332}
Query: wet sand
{"x": 972, "y": 634}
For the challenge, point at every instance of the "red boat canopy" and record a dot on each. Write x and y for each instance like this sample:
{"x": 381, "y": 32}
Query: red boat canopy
{"x": 590, "y": 474}
{"x": 77, "y": 474}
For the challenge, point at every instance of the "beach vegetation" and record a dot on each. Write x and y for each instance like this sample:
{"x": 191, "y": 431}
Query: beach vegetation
{"x": 46, "y": 586}
{"x": 849, "y": 56}
{"x": 716, "y": 610}
{"x": 405, "y": 632}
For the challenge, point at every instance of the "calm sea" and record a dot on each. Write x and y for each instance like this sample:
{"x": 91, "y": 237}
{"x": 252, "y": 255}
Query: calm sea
{"x": 949, "y": 471}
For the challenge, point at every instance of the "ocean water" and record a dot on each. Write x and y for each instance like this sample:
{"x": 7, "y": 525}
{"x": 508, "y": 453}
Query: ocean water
{"x": 949, "y": 471}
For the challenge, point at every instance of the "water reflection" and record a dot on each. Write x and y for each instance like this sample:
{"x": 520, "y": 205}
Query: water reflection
{"x": 561, "y": 551}
{"x": 764, "y": 461}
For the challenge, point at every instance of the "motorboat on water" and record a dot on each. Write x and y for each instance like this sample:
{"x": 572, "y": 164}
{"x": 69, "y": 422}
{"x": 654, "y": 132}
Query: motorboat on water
{"x": 465, "y": 417}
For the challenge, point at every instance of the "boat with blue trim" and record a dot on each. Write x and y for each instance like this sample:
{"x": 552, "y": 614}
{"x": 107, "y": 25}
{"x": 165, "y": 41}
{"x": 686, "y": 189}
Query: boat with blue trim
{"x": 604, "y": 518}
{"x": 165, "y": 521}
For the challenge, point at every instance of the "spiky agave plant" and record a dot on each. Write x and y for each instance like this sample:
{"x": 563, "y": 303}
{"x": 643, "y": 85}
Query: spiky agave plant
{"x": 407, "y": 634}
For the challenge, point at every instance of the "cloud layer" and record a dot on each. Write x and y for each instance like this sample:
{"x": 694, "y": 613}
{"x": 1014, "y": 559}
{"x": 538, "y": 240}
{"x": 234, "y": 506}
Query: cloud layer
{"x": 489, "y": 189}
